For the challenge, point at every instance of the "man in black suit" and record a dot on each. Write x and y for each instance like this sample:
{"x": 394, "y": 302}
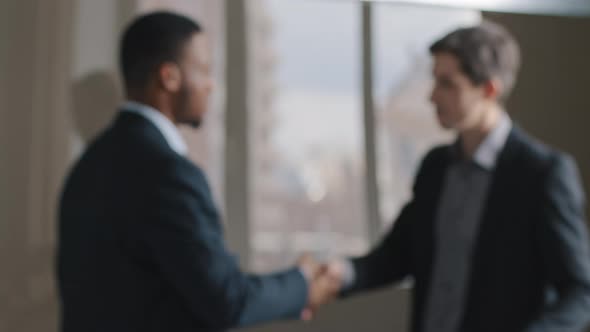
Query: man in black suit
{"x": 140, "y": 242}
{"x": 494, "y": 237}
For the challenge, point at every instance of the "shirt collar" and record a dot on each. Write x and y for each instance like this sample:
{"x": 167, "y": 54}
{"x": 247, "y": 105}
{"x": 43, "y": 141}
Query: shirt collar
{"x": 488, "y": 151}
{"x": 165, "y": 126}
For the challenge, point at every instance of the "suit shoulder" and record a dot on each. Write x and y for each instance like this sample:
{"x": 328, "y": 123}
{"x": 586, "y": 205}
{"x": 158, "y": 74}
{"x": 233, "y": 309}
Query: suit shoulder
{"x": 434, "y": 161}
{"x": 175, "y": 164}
{"x": 538, "y": 155}
{"x": 435, "y": 156}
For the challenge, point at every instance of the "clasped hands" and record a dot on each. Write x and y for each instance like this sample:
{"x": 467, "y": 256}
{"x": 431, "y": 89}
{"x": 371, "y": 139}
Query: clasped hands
{"x": 325, "y": 280}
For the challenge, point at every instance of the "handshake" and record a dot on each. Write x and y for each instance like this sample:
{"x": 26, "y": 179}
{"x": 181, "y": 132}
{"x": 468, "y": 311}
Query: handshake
{"x": 325, "y": 280}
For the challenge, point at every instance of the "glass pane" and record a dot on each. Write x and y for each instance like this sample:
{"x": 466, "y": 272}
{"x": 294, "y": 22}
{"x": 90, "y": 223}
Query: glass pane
{"x": 406, "y": 123}
{"x": 306, "y": 127}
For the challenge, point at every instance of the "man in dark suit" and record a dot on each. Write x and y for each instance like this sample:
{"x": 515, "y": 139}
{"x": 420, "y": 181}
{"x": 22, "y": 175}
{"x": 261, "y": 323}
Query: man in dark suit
{"x": 494, "y": 237}
{"x": 140, "y": 242}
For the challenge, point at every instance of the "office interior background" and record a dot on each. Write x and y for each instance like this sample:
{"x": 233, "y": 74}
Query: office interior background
{"x": 318, "y": 120}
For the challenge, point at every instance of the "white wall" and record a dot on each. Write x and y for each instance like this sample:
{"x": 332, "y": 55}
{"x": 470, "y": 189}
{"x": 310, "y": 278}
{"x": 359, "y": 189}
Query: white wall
{"x": 47, "y": 47}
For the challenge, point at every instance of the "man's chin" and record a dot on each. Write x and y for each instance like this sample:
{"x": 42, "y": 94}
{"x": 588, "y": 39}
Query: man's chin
{"x": 444, "y": 125}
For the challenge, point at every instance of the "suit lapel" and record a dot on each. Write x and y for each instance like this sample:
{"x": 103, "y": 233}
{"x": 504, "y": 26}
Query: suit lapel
{"x": 500, "y": 187}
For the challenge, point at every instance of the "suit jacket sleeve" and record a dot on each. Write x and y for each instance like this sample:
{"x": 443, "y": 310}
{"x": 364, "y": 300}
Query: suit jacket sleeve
{"x": 391, "y": 260}
{"x": 184, "y": 238}
{"x": 562, "y": 241}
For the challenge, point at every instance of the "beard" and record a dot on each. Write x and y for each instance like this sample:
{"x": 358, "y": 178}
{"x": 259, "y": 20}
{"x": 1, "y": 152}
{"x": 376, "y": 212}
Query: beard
{"x": 184, "y": 109}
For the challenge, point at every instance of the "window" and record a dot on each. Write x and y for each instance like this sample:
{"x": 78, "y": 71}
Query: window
{"x": 306, "y": 128}
{"x": 306, "y": 173}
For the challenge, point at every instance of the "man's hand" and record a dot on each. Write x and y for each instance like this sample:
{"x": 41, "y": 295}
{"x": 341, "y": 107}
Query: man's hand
{"x": 324, "y": 280}
{"x": 309, "y": 267}
{"x": 335, "y": 269}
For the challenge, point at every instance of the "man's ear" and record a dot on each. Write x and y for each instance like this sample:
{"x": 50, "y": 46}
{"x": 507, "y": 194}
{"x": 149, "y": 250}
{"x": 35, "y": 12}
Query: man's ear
{"x": 170, "y": 77}
{"x": 492, "y": 89}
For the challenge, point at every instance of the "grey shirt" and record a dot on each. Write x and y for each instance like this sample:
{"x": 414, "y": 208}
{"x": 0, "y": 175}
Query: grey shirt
{"x": 457, "y": 221}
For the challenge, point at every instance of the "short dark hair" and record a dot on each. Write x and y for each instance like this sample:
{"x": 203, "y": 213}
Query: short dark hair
{"x": 149, "y": 41}
{"x": 484, "y": 52}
